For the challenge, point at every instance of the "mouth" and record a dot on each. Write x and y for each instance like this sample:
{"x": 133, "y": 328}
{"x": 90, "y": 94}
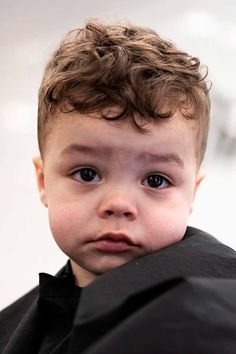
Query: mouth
{"x": 114, "y": 242}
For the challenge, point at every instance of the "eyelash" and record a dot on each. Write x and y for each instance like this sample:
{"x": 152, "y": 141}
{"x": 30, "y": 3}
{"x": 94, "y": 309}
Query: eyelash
{"x": 89, "y": 169}
{"x": 90, "y": 172}
{"x": 161, "y": 179}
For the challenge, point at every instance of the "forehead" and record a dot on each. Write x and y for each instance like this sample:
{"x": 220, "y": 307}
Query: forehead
{"x": 110, "y": 137}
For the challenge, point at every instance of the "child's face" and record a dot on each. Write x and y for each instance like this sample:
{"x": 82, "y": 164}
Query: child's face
{"x": 114, "y": 194}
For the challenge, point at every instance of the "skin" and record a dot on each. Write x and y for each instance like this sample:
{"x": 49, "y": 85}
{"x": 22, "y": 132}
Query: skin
{"x": 120, "y": 197}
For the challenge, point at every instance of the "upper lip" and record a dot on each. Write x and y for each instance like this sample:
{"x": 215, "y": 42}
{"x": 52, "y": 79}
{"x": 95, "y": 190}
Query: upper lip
{"x": 116, "y": 236}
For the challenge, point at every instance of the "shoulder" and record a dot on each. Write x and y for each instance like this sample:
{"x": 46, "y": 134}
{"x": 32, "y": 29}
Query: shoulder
{"x": 11, "y": 316}
{"x": 197, "y": 254}
{"x": 20, "y": 306}
{"x": 205, "y": 240}
{"x": 208, "y": 252}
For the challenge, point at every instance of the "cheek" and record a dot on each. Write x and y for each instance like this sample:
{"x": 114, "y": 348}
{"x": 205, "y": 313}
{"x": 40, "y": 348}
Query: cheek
{"x": 169, "y": 227}
{"x": 67, "y": 224}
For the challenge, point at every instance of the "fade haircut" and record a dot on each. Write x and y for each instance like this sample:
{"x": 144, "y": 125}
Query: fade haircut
{"x": 128, "y": 67}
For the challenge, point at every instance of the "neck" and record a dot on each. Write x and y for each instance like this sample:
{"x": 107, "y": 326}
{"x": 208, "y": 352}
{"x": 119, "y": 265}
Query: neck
{"x": 82, "y": 276}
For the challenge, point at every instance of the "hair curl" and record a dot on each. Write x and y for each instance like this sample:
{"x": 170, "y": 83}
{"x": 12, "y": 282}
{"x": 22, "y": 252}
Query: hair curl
{"x": 125, "y": 66}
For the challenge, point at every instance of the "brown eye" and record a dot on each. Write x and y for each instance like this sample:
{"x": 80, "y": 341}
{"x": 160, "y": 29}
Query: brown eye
{"x": 156, "y": 181}
{"x": 86, "y": 174}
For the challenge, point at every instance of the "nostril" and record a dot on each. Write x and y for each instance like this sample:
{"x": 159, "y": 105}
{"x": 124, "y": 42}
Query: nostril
{"x": 117, "y": 208}
{"x": 109, "y": 212}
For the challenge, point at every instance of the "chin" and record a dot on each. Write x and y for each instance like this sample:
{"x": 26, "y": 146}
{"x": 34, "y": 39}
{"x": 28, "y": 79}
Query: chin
{"x": 107, "y": 265}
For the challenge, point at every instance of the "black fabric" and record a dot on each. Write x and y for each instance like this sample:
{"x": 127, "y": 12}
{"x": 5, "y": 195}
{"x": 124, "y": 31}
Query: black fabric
{"x": 49, "y": 320}
{"x": 11, "y": 316}
{"x": 180, "y": 299}
{"x": 58, "y": 299}
{"x": 180, "y": 316}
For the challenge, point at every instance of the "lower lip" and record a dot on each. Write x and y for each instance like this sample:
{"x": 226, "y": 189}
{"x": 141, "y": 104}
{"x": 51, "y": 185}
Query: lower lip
{"x": 112, "y": 245}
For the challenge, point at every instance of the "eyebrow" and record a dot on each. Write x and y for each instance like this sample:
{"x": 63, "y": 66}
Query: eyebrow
{"x": 142, "y": 157}
{"x": 161, "y": 158}
{"x": 77, "y": 148}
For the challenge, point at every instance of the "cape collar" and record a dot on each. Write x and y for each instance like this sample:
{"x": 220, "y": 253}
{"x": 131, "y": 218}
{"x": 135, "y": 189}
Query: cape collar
{"x": 58, "y": 293}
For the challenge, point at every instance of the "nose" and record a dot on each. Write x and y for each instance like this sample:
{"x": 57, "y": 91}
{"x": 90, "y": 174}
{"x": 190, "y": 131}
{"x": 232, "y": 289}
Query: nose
{"x": 117, "y": 205}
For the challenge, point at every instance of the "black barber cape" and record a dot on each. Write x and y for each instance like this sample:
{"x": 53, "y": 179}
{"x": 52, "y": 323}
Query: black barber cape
{"x": 179, "y": 300}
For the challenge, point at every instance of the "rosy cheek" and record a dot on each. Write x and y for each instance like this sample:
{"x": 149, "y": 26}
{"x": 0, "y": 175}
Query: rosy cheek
{"x": 61, "y": 224}
{"x": 168, "y": 228}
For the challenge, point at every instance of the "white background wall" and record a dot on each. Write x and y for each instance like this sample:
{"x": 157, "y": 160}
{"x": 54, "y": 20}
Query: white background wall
{"x": 29, "y": 31}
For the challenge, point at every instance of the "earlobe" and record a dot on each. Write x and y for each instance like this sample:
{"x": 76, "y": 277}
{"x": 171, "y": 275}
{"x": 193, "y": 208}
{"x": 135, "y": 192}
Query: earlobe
{"x": 39, "y": 170}
{"x": 43, "y": 198}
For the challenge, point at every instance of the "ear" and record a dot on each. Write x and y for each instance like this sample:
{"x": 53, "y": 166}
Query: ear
{"x": 199, "y": 178}
{"x": 39, "y": 170}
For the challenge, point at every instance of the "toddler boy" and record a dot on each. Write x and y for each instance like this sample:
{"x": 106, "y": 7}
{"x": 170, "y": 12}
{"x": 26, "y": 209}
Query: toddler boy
{"x": 122, "y": 129}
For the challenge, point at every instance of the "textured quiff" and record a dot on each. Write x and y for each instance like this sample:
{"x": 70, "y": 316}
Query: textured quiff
{"x": 128, "y": 67}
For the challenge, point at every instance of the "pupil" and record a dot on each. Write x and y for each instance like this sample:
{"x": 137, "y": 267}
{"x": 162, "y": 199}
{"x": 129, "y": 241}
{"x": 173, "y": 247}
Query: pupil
{"x": 87, "y": 174}
{"x": 154, "y": 181}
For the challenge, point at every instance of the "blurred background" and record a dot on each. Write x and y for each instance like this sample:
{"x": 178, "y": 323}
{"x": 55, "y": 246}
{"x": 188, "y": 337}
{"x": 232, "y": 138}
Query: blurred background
{"x": 29, "y": 31}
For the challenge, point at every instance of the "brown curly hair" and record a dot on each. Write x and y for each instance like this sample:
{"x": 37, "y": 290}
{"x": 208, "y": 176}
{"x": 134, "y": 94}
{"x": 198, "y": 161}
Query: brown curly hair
{"x": 125, "y": 66}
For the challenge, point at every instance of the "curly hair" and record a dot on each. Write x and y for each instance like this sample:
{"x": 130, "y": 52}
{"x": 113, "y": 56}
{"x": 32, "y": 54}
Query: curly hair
{"x": 125, "y": 66}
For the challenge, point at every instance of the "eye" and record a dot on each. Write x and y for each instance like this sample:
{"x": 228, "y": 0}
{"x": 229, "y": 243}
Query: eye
{"x": 85, "y": 174}
{"x": 156, "y": 181}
